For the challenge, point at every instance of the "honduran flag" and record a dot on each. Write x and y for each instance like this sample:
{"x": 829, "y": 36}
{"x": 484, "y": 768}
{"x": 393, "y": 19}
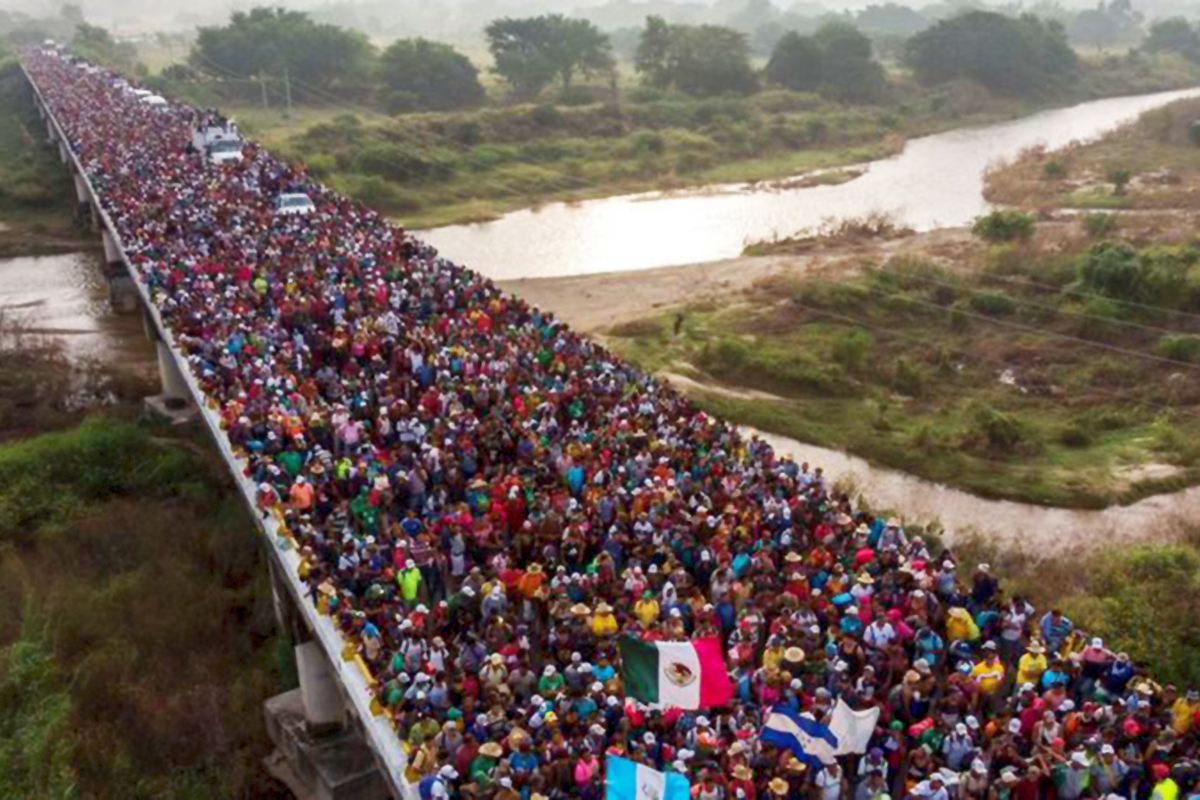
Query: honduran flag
{"x": 809, "y": 740}
{"x": 680, "y": 674}
{"x": 629, "y": 780}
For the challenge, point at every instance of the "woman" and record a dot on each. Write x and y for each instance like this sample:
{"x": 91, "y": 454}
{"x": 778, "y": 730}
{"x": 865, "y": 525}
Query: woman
{"x": 587, "y": 772}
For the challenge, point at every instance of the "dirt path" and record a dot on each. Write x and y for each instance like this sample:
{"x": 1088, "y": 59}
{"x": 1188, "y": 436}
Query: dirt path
{"x": 594, "y": 303}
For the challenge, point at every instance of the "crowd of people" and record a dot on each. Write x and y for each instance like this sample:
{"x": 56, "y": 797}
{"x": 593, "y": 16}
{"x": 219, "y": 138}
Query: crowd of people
{"x": 485, "y": 502}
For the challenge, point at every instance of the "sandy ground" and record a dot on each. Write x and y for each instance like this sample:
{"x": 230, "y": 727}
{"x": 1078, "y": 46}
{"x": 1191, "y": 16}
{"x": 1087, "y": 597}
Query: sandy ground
{"x": 594, "y": 303}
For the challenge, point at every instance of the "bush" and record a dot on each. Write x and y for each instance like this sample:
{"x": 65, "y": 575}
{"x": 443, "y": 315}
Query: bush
{"x": 1054, "y": 170}
{"x": 383, "y": 196}
{"x": 910, "y": 379}
{"x": 1194, "y": 131}
{"x": 1179, "y": 348}
{"x": 1005, "y": 225}
{"x": 1001, "y": 431}
{"x": 1098, "y": 224}
{"x": 546, "y": 116}
{"x": 1119, "y": 178}
{"x": 1075, "y": 435}
{"x": 852, "y": 349}
{"x": 994, "y": 304}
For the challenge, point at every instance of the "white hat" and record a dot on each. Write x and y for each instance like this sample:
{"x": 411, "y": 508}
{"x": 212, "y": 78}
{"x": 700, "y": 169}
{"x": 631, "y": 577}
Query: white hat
{"x": 1078, "y": 757}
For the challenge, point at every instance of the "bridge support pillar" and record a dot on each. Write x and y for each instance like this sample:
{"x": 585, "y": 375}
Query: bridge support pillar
{"x": 50, "y": 135}
{"x": 122, "y": 294}
{"x": 175, "y": 402}
{"x": 324, "y": 710}
{"x": 84, "y": 199}
{"x": 63, "y": 153}
{"x": 174, "y": 386}
{"x": 112, "y": 253}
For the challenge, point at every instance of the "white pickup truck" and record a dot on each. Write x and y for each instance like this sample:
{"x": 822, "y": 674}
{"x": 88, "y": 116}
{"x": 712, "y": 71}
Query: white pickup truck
{"x": 219, "y": 143}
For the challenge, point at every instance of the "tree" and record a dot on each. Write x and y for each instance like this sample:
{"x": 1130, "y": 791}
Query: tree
{"x": 97, "y": 45}
{"x": 531, "y": 52}
{"x": 1174, "y": 35}
{"x": 849, "y": 71}
{"x": 699, "y": 59}
{"x": 795, "y": 63}
{"x": 653, "y": 52}
{"x": 272, "y": 41}
{"x": 891, "y": 18}
{"x": 1006, "y": 54}
{"x": 1106, "y": 24}
{"x": 436, "y": 75}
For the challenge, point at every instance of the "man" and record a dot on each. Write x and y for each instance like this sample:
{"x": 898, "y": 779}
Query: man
{"x": 1109, "y": 771}
{"x": 1072, "y": 779}
{"x": 874, "y": 787}
{"x": 830, "y": 782}
{"x": 1165, "y": 787}
{"x": 989, "y": 674}
{"x": 1055, "y": 629}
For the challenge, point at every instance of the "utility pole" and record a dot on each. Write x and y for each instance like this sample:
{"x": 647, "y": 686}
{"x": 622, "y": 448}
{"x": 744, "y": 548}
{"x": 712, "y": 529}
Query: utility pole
{"x": 262, "y": 81}
{"x": 287, "y": 90}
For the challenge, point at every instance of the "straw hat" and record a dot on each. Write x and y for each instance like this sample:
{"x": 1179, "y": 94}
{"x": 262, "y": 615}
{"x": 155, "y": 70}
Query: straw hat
{"x": 795, "y": 765}
{"x": 491, "y": 750}
{"x": 778, "y": 786}
{"x": 865, "y": 577}
{"x": 794, "y": 655}
{"x": 1036, "y": 647}
{"x": 580, "y": 610}
{"x": 793, "y": 558}
{"x": 535, "y": 569}
{"x": 603, "y": 608}
{"x": 743, "y": 773}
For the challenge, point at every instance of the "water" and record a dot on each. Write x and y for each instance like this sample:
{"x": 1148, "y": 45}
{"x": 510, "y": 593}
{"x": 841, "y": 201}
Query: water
{"x": 937, "y": 181}
{"x": 1036, "y": 530}
{"x": 65, "y": 298}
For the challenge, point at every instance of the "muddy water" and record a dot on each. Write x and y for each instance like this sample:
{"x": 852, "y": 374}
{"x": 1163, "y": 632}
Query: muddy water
{"x": 1034, "y": 529}
{"x": 65, "y": 298}
{"x": 936, "y": 182}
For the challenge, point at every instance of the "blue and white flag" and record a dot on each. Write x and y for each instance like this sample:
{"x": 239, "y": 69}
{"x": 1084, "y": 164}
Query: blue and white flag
{"x": 629, "y": 780}
{"x": 810, "y": 741}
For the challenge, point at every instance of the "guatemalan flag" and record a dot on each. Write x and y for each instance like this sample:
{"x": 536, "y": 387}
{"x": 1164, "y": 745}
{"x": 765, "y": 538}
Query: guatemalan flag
{"x": 629, "y": 780}
{"x": 809, "y": 740}
{"x": 681, "y": 674}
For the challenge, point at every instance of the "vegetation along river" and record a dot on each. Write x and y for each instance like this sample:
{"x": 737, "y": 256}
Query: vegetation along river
{"x": 937, "y": 181}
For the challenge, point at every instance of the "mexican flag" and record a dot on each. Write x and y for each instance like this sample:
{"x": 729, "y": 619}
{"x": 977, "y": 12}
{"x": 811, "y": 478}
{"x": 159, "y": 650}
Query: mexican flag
{"x": 680, "y": 674}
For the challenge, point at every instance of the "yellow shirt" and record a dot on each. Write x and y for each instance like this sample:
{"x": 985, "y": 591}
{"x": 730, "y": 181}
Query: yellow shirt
{"x": 604, "y": 625}
{"x": 646, "y": 611}
{"x": 1181, "y": 715}
{"x": 990, "y": 677}
{"x": 1030, "y": 668}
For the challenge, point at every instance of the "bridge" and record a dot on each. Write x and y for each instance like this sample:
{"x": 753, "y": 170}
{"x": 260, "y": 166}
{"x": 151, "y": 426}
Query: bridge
{"x": 334, "y": 741}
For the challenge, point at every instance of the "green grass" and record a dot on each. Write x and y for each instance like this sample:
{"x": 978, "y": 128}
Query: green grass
{"x": 138, "y": 638}
{"x": 888, "y": 368}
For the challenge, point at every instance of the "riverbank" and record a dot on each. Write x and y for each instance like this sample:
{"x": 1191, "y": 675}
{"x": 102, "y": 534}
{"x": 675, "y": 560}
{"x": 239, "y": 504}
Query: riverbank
{"x": 920, "y": 353}
{"x": 36, "y": 195}
{"x": 433, "y": 170}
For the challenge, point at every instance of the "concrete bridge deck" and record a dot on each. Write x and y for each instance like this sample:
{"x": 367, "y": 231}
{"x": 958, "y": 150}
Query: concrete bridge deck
{"x": 335, "y": 691}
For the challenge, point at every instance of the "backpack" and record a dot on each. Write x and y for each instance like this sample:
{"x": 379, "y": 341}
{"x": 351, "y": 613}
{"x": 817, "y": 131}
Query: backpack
{"x": 425, "y": 787}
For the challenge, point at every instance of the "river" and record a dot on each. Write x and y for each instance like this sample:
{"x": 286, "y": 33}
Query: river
{"x": 937, "y": 181}
{"x": 1031, "y": 529}
{"x": 65, "y": 297}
